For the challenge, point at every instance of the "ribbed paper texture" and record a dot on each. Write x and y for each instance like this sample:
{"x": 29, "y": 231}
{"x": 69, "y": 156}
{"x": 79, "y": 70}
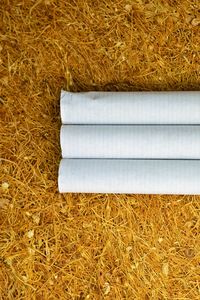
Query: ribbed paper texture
{"x": 129, "y": 141}
{"x": 137, "y": 142}
{"x": 130, "y": 108}
{"x": 130, "y": 176}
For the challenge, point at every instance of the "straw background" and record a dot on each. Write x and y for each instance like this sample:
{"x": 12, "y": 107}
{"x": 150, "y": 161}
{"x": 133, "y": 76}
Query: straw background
{"x": 83, "y": 246}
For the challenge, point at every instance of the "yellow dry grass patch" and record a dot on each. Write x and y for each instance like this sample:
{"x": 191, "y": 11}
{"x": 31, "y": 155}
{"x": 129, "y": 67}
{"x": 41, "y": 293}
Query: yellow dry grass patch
{"x": 82, "y": 246}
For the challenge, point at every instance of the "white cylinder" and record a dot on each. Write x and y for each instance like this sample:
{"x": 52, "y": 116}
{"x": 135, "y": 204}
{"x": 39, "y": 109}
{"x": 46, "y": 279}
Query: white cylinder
{"x": 130, "y": 107}
{"x": 130, "y": 141}
{"x": 129, "y": 176}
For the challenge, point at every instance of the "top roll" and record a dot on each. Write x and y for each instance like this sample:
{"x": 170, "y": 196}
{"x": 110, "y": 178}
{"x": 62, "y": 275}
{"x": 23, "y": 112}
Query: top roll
{"x": 130, "y": 107}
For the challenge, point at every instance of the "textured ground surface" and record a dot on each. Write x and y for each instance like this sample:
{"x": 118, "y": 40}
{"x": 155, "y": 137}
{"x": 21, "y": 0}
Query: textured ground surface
{"x": 90, "y": 246}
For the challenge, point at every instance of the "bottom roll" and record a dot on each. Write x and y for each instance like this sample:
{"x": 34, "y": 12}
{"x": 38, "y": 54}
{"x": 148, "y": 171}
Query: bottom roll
{"x": 129, "y": 176}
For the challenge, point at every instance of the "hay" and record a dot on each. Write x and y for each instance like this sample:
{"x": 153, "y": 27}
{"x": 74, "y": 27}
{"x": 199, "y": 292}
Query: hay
{"x": 85, "y": 246}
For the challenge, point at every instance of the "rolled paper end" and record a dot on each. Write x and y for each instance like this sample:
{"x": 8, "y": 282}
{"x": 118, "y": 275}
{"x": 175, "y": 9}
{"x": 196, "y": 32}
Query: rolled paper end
{"x": 60, "y": 178}
{"x": 61, "y": 140}
{"x": 65, "y": 98}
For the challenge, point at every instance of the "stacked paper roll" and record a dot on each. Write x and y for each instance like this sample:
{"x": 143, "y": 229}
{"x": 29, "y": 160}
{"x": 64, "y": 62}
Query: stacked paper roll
{"x": 130, "y": 108}
{"x": 137, "y": 142}
{"x": 131, "y": 141}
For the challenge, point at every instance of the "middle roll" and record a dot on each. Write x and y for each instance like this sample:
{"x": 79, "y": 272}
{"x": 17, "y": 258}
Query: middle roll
{"x": 131, "y": 141}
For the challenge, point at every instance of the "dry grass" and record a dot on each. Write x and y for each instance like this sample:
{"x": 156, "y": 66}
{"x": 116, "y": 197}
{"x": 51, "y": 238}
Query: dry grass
{"x": 82, "y": 246}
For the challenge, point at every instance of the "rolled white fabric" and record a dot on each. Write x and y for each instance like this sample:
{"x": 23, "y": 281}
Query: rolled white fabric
{"x": 131, "y": 141}
{"x": 130, "y": 107}
{"x": 129, "y": 176}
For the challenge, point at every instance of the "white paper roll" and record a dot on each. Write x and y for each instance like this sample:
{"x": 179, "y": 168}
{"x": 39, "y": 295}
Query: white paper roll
{"x": 130, "y": 107}
{"x": 129, "y": 176}
{"x": 130, "y": 141}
